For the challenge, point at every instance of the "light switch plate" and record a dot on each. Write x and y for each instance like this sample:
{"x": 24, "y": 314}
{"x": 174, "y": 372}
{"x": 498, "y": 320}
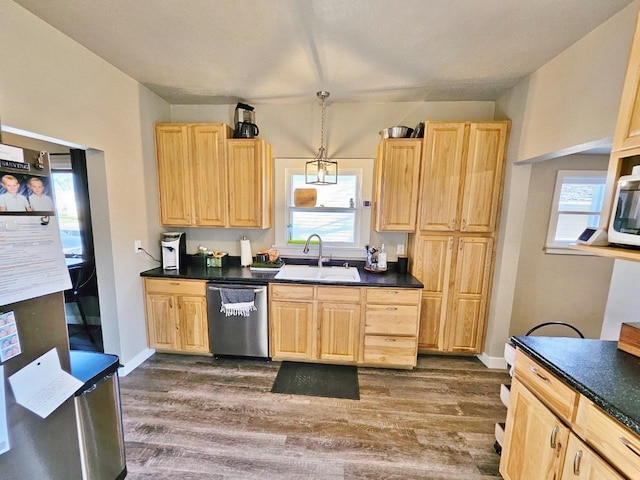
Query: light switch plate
{"x": 400, "y": 249}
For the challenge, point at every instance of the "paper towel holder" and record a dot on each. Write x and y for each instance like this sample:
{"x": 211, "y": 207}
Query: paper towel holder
{"x": 246, "y": 259}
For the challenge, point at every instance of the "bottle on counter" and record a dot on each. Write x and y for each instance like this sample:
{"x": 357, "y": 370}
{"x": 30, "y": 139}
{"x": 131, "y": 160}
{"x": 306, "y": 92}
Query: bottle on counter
{"x": 382, "y": 258}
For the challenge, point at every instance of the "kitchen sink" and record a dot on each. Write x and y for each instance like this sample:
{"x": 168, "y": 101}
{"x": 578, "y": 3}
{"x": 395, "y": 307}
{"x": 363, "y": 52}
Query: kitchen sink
{"x": 318, "y": 274}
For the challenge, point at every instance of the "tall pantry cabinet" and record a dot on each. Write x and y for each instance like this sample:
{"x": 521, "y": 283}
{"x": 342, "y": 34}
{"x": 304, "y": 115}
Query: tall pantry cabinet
{"x": 452, "y": 249}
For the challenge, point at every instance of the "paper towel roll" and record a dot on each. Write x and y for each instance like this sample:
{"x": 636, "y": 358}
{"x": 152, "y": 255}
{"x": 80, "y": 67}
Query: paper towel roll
{"x": 245, "y": 253}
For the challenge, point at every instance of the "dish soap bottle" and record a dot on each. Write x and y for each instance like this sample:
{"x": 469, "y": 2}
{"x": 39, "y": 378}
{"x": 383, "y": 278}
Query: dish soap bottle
{"x": 382, "y": 258}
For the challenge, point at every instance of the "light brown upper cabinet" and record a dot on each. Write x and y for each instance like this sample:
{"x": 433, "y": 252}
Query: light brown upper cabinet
{"x": 207, "y": 179}
{"x": 396, "y": 185}
{"x": 250, "y": 172}
{"x": 627, "y": 133}
{"x": 462, "y": 171}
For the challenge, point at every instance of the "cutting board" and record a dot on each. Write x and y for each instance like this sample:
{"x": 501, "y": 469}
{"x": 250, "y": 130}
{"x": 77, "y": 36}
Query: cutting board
{"x": 629, "y": 340}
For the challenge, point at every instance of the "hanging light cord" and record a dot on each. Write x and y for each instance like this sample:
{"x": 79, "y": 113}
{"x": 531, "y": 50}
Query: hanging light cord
{"x": 323, "y": 96}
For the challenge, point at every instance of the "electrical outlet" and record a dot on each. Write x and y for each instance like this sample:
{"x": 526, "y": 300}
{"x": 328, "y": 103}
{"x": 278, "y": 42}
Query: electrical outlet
{"x": 400, "y": 249}
{"x": 137, "y": 245}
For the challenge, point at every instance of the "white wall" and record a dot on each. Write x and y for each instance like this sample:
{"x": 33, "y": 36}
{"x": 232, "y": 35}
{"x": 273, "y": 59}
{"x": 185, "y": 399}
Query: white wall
{"x": 551, "y": 287}
{"x": 564, "y": 107}
{"x": 53, "y": 87}
{"x": 622, "y": 302}
{"x": 573, "y": 100}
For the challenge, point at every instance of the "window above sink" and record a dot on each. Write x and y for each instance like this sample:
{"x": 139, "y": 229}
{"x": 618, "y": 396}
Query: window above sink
{"x": 344, "y": 226}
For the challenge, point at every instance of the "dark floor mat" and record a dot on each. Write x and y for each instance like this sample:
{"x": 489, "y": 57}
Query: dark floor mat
{"x": 318, "y": 380}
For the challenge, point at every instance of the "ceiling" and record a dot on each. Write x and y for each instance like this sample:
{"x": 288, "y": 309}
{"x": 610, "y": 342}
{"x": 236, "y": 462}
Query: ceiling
{"x": 283, "y": 51}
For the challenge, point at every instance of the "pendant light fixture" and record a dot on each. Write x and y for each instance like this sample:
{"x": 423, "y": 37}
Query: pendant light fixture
{"x": 321, "y": 170}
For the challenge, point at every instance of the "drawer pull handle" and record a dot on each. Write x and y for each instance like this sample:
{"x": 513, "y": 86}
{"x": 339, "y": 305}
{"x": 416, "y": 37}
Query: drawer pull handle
{"x": 554, "y": 434}
{"x": 392, "y": 308}
{"x": 535, "y": 370}
{"x": 576, "y": 463}
{"x": 390, "y": 340}
{"x": 629, "y": 445}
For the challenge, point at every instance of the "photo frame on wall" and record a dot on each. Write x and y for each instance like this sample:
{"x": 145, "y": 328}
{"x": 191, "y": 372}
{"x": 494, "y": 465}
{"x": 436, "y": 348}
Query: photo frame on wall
{"x": 25, "y": 183}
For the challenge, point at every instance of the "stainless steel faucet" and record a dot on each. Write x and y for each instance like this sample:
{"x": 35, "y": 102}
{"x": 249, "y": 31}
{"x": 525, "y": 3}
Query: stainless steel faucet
{"x": 306, "y": 247}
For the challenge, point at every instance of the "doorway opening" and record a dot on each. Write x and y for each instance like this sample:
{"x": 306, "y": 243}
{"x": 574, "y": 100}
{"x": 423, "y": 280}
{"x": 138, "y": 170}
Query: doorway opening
{"x": 82, "y": 304}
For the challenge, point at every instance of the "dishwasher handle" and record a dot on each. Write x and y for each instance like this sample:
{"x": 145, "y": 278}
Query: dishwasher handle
{"x": 255, "y": 290}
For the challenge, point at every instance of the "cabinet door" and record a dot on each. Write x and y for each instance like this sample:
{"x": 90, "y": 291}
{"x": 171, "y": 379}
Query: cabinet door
{"x": 582, "y": 463}
{"x": 292, "y": 330}
{"x": 432, "y": 266}
{"x": 627, "y": 134}
{"x": 397, "y": 176}
{"x": 534, "y": 440}
{"x": 483, "y": 177}
{"x": 161, "y": 322}
{"x": 339, "y": 326}
{"x": 442, "y": 176}
{"x": 174, "y": 174}
{"x": 193, "y": 326}
{"x": 210, "y": 174}
{"x": 466, "y": 323}
{"x": 249, "y": 180}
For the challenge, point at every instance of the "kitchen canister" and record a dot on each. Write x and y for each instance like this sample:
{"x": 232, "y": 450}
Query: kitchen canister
{"x": 246, "y": 258}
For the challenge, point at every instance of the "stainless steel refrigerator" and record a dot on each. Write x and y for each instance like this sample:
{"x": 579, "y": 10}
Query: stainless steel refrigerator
{"x": 40, "y": 449}
{"x": 33, "y": 276}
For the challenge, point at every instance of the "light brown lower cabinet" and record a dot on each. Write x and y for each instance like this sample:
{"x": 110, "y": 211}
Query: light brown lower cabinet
{"x": 456, "y": 272}
{"x": 310, "y": 323}
{"x": 551, "y": 435}
{"x": 583, "y": 463}
{"x": 330, "y": 324}
{"x": 391, "y": 327}
{"x": 535, "y": 439}
{"x": 176, "y": 314}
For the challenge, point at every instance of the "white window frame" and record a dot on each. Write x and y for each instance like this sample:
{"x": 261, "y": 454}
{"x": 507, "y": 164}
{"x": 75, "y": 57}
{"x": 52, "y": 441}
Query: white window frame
{"x": 562, "y": 248}
{"x": 284, "y": 168}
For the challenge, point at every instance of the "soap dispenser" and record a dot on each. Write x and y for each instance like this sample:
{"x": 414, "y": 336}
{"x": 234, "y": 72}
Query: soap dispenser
{"x": 382, "y": 258}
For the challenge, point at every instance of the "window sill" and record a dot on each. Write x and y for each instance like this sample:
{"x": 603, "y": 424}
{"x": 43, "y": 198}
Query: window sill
{"x": 618, "y": 253}
{"x": 568, "y": 250}
{"x": 347, "y": 253}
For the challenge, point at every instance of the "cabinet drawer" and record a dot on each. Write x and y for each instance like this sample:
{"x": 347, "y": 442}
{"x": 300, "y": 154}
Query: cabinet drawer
{"x": 583, "y": 463}
{"x": 291, "y": 292}
{"x": 391, "y": 320}
{"x": 175, "y": 287}
{"x": 619, "y": 445}
{"x": 559, "y": 397}
{"x": 395, "y": 296}
{"x": 338, "y": 294}
{"x": 387, "y": 350}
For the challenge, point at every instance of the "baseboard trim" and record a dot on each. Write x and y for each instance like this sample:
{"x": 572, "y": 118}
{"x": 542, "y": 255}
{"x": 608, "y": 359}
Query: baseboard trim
{"x": 135, "y": 362}
{"x": 494, "y": 363}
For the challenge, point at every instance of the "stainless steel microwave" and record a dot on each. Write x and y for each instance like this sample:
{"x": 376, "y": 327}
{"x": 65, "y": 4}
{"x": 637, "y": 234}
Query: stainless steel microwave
{"x": 624, "y": 226}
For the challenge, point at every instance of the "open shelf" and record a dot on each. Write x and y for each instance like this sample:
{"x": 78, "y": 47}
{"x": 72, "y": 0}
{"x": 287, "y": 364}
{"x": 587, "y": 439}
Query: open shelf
{"x": 610, "y": 251}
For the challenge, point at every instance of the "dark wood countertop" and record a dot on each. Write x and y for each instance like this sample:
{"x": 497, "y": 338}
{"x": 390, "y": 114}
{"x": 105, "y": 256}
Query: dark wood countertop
{"x": 608, "y": 377}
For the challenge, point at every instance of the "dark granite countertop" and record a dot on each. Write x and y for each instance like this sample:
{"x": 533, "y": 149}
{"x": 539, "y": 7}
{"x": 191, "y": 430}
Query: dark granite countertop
{"x": 608, "y": 377}
{"x": 234, "y": 273}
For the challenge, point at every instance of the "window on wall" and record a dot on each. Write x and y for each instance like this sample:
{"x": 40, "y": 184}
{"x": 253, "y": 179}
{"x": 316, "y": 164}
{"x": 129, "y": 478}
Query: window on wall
{"x": 577, "y": 204}
{"x": 334, "y": 216}
{"x": 67, "y": 212}
{"x": 338, "y": 216}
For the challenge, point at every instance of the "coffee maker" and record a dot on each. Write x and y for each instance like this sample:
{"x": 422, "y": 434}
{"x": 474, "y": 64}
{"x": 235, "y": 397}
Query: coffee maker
{"x": 245, "y": 122}
{"x": 174, "y": 250}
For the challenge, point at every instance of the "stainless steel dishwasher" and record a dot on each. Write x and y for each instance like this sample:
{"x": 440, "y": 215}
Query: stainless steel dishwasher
{"x": 237, "y": 335}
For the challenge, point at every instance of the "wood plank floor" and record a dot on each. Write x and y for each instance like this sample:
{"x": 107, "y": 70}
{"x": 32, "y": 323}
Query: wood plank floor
{"x": 189, "y": 417}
